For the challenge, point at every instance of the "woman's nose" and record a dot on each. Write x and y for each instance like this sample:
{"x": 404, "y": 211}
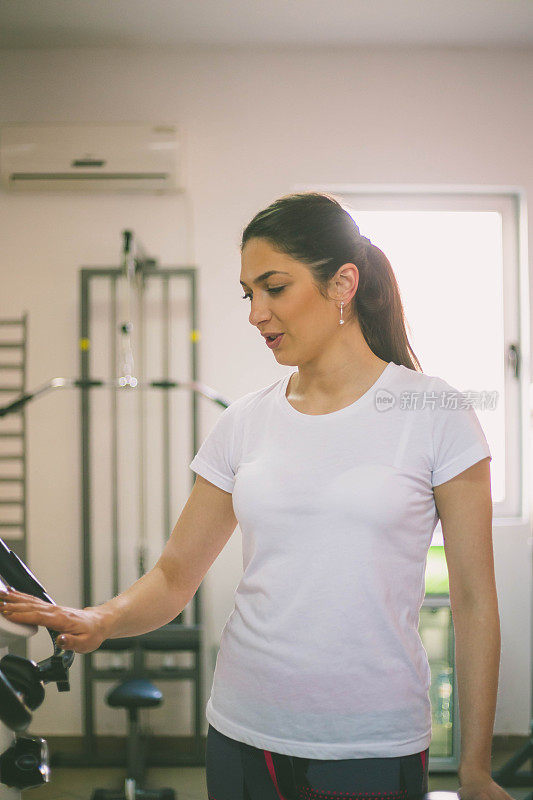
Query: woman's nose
{"x": 258, "y": 314}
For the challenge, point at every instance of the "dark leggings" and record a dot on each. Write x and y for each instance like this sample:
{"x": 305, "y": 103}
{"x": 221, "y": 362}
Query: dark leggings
{"x": 238, "y": 771}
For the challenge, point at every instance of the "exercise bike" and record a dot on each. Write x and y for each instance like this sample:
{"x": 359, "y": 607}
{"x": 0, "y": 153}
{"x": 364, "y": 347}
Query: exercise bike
{"x": 24, "y": 759}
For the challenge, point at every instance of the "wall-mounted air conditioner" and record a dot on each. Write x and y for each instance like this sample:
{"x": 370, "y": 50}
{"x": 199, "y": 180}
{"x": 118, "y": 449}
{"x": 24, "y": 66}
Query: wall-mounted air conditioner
{"x": 126, "y": 158}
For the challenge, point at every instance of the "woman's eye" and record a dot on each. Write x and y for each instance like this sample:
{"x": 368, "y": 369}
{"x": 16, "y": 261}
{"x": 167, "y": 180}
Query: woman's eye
{"x": 271, "y": 291}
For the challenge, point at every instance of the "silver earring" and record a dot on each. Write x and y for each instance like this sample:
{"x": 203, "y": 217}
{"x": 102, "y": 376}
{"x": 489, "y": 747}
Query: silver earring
{"x": 341, "y": 321}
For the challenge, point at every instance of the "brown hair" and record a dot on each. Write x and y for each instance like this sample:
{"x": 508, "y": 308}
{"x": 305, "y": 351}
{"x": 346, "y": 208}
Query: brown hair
{"x": 315, "y": 229}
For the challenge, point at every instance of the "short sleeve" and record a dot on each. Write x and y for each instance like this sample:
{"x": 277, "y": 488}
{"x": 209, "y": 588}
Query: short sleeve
{"x": 458, "y": 438}
{"x": 216, "y": 459}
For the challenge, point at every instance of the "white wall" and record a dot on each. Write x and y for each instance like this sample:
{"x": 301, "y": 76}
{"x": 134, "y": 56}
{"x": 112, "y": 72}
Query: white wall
{"x": 256, "y": 124}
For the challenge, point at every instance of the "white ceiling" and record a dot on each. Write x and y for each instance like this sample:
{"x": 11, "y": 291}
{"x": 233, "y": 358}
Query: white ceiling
{"x": 172, "y": 24}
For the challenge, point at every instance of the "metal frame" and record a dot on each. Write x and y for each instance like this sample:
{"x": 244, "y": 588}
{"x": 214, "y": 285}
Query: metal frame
{"x": 18, "y": 544}
{"x": 175, "y": 636}
{"x": 20, "y": 344}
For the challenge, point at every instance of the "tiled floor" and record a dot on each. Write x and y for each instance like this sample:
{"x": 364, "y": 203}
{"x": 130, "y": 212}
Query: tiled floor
{"x": 188, "y": 782}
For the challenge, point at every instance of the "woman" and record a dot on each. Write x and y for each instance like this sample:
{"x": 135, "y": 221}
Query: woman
{"x": 337, "y": 474}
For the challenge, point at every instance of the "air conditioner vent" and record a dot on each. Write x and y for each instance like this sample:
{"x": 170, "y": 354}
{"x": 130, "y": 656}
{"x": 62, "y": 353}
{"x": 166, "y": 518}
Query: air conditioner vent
{"x": 88, "y": 163}
{"x": 130, "y": 157}
{"x": 89, "y": 176}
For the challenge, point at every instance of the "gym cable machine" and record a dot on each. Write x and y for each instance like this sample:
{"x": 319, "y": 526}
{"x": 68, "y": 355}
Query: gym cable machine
{"x": 135, "y": 269}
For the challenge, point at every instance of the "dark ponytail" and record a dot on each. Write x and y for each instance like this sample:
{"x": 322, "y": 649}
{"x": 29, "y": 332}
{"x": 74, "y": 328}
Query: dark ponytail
{"x": 316, "y": 230}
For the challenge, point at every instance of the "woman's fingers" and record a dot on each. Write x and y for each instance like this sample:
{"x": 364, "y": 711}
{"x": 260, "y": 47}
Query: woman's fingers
{"x": 33, "y": 611}
{"x": 11, "y": 592}
{"x": 80, "y": 627}
{"x": 14, "y": 599}
{"x": 70, "y": 639}
{"x": 14, "y": 606}
{"x": 32, "y": 616}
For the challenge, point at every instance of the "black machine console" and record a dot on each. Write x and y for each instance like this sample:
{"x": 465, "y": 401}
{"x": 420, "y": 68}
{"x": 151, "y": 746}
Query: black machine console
{"x": 25, "y": 763}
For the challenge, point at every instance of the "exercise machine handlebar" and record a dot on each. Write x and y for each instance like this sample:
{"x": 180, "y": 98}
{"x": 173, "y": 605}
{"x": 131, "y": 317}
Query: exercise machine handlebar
{"x": 127, "y": 382}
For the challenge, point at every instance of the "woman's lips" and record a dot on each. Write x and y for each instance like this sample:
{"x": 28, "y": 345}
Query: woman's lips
{"x": 275, "y": 343}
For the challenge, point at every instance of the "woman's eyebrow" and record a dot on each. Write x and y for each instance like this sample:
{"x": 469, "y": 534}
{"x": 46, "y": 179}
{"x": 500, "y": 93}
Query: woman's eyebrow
{"x": 266, "y": 275}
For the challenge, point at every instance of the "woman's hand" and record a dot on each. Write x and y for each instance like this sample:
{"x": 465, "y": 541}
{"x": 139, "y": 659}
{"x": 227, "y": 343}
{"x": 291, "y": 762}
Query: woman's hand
{"x": 82, "y": 630}
{"x": 480, "y": 786}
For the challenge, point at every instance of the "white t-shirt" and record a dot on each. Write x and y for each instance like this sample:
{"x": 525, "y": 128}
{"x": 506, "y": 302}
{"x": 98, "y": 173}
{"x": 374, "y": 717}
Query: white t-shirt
{"x": 321, "y": 656}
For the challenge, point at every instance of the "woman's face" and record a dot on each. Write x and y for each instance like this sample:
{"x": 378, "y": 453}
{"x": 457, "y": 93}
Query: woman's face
{"x": 287, "y": 302}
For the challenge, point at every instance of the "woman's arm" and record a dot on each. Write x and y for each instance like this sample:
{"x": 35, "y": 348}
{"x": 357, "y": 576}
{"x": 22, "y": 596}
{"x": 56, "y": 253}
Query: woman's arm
{"x": 464, "y": 504}
{"x": 201, "y": 532}
{"x": 203, "y": 528}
